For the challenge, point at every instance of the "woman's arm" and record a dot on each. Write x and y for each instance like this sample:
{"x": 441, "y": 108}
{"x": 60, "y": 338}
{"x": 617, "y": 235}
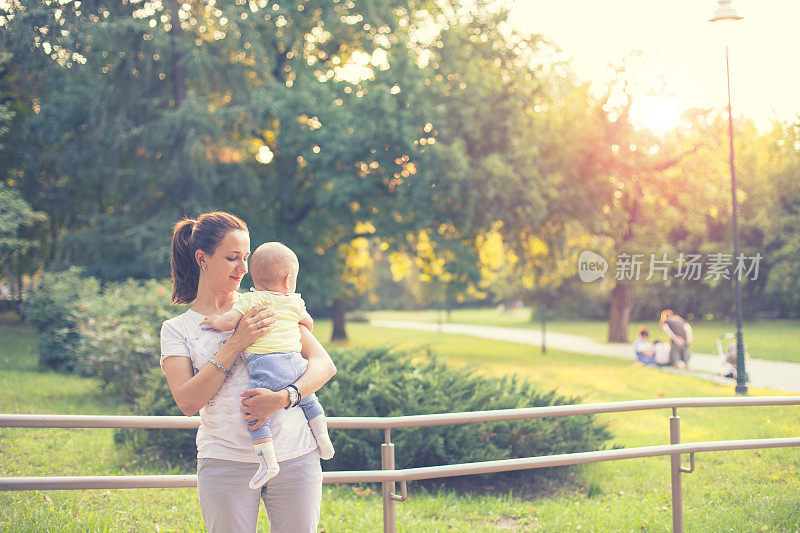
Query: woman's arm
{"x": 260, "y": 404}
{"x": 320, "y": 365}
{"x": 192, "y": 392}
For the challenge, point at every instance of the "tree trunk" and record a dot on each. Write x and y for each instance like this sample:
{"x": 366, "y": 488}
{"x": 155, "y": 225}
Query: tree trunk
{"x": 620, "y": 313}
{"x": 339, "y": 333}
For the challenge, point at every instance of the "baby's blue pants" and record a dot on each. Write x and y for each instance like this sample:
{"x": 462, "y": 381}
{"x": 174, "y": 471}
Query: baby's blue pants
{"x": 276, "y": 371}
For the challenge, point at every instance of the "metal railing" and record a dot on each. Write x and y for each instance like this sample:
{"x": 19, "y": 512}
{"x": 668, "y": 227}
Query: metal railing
{"x": 388, "y": 476}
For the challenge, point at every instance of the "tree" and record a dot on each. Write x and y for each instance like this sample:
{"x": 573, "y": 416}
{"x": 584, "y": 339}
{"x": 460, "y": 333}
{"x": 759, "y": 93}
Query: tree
{"x": 17, "y": 220}
{"x": 145, "y": 112}
{"x": 634, "y": 190}
{"x": 493, "y": 85}
{"x": 777, "y": 217}
{"x": 6, "y": 114}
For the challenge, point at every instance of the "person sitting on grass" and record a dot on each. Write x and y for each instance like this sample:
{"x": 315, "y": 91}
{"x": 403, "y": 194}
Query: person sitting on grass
{"x": 730, "y": 359}
{"x": 642, "y": 347}
{"x": 274, "y": 361}
{"x": 661, "y": 352}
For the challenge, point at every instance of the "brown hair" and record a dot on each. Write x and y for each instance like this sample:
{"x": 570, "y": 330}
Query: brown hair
{"x": 190, "y": 235}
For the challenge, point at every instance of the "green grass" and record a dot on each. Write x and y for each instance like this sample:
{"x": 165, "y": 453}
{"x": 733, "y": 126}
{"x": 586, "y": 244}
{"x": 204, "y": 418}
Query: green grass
{"x": 734, "y": 491}
{"x": 776, "y": 340}
{"x": 738, "y": 491}
{"x": 61, "y": 452}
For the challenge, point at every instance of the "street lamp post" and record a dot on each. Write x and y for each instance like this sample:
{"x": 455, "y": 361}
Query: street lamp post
{"x": 726, "y": 12}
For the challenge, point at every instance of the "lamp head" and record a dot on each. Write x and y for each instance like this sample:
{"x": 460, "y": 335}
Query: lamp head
{"x": 724, "y": 12}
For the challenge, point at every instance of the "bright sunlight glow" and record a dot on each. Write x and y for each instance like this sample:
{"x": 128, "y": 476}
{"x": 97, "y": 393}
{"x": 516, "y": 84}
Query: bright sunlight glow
{"x": 264, "y": 155}
{"x": 685, "y": 49}
{"x": 659, "y": 114}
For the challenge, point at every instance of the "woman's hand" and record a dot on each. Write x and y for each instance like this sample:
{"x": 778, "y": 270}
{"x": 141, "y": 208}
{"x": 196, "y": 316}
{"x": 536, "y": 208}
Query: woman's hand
{"x": 253, "y": 324}
{"x": 260, "y": 404}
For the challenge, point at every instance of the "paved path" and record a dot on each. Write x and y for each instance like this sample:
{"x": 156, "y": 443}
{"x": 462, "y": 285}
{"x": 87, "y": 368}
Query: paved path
{"x": 775, "y": 375}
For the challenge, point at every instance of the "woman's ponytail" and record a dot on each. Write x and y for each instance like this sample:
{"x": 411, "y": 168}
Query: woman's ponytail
{"x": 185, "y": 271}
{"x": 190, "y": 235}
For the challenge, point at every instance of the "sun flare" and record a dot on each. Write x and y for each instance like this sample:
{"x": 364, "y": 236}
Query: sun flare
{"x": 659, "y": 114}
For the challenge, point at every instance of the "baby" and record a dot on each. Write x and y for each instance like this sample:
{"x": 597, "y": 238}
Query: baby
{"x": 274, "y": 360}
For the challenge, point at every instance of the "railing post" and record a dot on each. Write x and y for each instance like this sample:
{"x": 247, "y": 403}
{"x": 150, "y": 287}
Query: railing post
{"x": 387, "y": 487}
{"x": 675, "y": 469}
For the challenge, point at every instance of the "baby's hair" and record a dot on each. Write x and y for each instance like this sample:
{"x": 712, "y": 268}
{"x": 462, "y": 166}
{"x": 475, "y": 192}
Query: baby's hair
{"x": 271, "y": 263}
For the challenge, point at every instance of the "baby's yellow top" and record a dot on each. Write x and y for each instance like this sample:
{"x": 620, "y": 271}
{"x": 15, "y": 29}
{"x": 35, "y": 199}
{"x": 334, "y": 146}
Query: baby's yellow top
{"x": 289, "y": 309}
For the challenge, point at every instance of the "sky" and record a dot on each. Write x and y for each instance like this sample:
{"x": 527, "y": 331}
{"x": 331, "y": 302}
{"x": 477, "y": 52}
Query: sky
{"x": 683, "y": 51}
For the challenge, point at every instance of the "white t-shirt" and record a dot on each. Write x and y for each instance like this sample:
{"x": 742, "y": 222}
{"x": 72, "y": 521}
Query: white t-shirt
{"x": 661, "y": 350}
{"x": 222, "y": 433}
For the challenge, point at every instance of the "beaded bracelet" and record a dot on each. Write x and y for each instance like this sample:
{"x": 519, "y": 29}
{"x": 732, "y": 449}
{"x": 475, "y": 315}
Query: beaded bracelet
{"x": 221, "y": 368}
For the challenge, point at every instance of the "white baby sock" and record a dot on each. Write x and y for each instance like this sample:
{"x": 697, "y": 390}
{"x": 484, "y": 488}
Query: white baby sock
{"x": 267, "y": 466}
{"x": 320, "y": 430}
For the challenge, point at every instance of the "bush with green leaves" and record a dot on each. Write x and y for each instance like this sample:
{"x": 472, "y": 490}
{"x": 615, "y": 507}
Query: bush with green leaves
{"x": 51, "y": 310}
{"x": 110, "y": 332}
{"x": 113, "y": 334}
{"x": 385, "y": 382}
{"x": 119, "y": 333}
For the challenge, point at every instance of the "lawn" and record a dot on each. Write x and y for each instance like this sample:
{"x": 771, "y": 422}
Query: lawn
{"x": 58, "y": 452}
{"x": 736, "y": 491}
{"x": 775, "y": 340}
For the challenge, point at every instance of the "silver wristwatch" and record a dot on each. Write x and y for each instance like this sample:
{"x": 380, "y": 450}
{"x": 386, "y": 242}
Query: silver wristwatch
{"x": 294, "y": 396}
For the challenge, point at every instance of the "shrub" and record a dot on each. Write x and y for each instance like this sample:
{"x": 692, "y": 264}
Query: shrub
{"x": 50, "y": 309}
{"x": 111, "y": 334}
{"x": 119, "y": 334}
{"x": 381, "y": 382}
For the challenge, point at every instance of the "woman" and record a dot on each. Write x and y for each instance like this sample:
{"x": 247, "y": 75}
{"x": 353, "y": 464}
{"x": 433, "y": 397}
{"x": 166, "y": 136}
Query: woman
{"x": 206, "y": 373}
